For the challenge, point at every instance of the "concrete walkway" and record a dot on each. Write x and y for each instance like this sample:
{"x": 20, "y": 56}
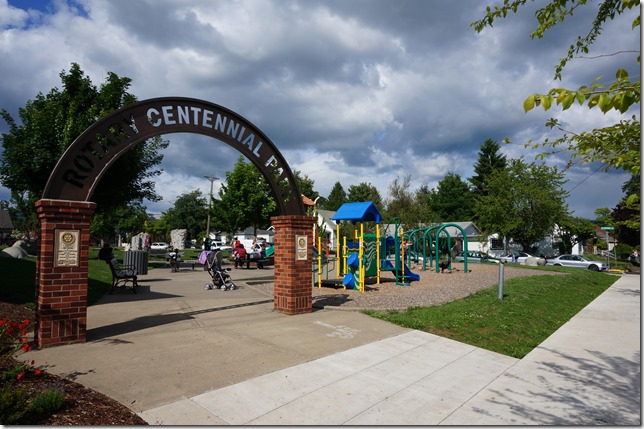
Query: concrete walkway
{"x": 181, "y": 355}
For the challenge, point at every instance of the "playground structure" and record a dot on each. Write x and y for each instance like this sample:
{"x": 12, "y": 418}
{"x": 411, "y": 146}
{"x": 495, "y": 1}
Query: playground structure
{"x": 367, "y": 255}
{"x": 431, "y": 242}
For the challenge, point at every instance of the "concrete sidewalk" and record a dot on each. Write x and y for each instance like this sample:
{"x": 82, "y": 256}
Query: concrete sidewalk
{"x": 181, "y": 355}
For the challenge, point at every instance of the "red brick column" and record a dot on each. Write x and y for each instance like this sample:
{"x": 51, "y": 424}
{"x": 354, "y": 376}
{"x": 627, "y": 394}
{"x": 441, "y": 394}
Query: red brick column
{"x": 61, "y": 271}
{"x": 293, "y": 293}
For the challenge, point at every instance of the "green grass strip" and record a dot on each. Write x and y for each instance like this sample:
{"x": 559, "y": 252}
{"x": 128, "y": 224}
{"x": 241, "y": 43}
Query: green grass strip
{"x": 532, "y": 309}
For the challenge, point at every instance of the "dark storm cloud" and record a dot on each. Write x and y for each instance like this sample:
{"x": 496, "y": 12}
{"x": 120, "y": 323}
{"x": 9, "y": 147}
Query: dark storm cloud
{"x": 351, "y": 91}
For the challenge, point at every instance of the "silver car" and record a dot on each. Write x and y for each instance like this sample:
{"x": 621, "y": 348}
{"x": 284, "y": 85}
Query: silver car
{"x": 577, "y": 261}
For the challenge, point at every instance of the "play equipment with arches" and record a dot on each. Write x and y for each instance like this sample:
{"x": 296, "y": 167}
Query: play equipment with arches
{"x": 367, "y": 255}
{"x": 428, "y": 244}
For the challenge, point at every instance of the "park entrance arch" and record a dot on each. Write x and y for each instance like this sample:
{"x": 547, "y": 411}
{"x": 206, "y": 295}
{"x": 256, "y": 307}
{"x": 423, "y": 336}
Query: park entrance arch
{"x": 65, "y": 210}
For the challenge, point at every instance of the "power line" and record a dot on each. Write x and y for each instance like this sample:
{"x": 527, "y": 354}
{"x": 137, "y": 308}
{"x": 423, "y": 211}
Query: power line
{"x": 587, "y": 177}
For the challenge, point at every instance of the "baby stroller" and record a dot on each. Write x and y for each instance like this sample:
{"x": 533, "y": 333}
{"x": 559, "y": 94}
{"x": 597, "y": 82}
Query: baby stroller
{"x": 220, "y": 277}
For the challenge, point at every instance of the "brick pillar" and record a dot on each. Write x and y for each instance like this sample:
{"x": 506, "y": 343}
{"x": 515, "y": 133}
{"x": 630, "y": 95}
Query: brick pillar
{"x": 293, "y": 293}
{"x": 61, "y": 271}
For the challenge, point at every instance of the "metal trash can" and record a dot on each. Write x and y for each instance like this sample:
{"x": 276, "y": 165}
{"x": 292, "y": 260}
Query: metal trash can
{"x": 137, "y": 258}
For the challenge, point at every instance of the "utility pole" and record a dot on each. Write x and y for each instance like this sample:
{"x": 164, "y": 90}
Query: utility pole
{"x": 212, "y": 179}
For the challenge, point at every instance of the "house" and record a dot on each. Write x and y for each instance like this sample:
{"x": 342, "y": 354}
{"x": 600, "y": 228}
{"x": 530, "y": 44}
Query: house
{"x": 325, "y": 223}
{"x": 247, "y": 236}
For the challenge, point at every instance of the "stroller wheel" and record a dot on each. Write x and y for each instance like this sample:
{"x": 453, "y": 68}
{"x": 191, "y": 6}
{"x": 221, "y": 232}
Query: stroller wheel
{"x": 208, "y": 286}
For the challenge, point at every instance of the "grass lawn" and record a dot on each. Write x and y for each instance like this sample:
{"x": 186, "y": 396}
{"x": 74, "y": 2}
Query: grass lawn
{"x": 532, "y": 309}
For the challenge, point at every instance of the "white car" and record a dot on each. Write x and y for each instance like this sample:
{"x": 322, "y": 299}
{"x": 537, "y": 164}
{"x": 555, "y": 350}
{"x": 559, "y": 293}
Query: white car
{"x": 221, "y": 246}
{"x": 577, "y": 261}
{"x": 159, "y": 245}
{"x": 510, "y": 257}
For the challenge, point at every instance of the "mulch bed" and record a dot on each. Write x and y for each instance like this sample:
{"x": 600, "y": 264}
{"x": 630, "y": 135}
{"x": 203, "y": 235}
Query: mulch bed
{"x": 83, "y": 406}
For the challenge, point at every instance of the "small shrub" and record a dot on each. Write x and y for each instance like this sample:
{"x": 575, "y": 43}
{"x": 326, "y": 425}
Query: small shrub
{"x": 47, "y": 402}
{"x": 13, "y": 404}
{"x": 623, "y": 251}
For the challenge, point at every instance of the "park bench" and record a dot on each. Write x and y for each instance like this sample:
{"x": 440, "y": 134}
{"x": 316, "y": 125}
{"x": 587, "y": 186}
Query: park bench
{"x": 122, "y": 275}
{"x": 249, "y": 261}
{"x": 191, "y": 262}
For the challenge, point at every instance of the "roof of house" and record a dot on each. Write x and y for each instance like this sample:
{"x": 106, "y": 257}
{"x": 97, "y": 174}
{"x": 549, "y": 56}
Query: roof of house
{"x": 469, "y": 227}
{"x": 307, "y": 201}
{"x": 327, "y": 216}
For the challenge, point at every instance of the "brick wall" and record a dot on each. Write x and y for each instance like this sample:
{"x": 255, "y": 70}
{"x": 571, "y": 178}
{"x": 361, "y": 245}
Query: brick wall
{"x": 61, "y": 291}
{"x": 293, "y": 292}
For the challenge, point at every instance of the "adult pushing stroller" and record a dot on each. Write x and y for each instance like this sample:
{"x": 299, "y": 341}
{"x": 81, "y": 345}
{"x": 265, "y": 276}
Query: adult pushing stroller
{"x": 220, "y": 277}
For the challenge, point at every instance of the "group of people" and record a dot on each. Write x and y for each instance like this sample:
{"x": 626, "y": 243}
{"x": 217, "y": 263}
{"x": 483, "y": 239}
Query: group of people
{"x": 241, "y": 255}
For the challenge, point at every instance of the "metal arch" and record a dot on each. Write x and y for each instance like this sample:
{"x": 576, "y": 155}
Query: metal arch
{"x": 85, "y": 161}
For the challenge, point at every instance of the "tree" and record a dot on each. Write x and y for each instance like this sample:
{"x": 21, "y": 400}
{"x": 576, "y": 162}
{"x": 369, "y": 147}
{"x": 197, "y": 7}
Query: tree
{"x": 423, "y": 205}
{"x": 245, "y": 200}
{"x": 452, "y": 200}
{"x": 50, "y": 123}
{"x": 365, "y": 192}
{"x": 489, "y": 161}
{"x": 524, "y": 202}
{"x": 305, "y": 184}
{"x": 626, "y": 215}
{"x": 574, "y": 230}
{"x": 604, "y": 217}
{"x": 402, "y": 203}
{"x": 336, "y": 198}
{"x": 617, "y": 146}
{"x": 190, "y": 211}
{"x": 129, "y": 219}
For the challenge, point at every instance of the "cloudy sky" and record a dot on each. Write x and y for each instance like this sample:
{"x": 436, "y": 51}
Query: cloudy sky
{"x": 351, "y": 91}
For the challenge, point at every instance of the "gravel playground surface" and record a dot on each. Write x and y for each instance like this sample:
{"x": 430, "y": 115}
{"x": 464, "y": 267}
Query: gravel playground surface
{"x": 432, "y": 289}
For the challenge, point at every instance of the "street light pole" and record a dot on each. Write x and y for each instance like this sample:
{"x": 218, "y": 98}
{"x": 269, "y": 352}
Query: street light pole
{"x": 212, "y": 179}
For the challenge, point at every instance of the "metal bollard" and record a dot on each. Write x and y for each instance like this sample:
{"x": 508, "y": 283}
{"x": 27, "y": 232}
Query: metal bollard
{"x": 501, "y": 269}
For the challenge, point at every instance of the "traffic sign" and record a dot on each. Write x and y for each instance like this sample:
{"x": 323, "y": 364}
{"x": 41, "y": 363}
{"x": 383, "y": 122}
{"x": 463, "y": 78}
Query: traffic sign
{"x": 607, "y": 228}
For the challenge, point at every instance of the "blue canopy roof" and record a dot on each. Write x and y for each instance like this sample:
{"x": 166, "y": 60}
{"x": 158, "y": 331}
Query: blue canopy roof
{"x": 358, "y": 212}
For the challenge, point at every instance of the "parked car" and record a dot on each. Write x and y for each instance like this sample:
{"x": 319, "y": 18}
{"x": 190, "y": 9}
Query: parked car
{"x": 221, "y": 246}
{"x": 159, "y": 245}
{"x": 510, "y": 257}
{"x": 475, "y": 256}
{"x": 577, "y": 261}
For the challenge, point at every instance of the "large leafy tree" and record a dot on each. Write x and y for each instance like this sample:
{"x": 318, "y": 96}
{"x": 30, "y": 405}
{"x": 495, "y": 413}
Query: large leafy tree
{"x": 627, "y": 213}
{"x": 452, "y": 200}
{"x": 336, "y": 197}
{"x": 524, "y": 202}
{"x": 190, "y": 211}
{"x": 422, "y": 203}
{"x": 245, "y": 200}
{"x": 402, "y": 203}
{"x": 573, "y": 230}
{"x": 127, "y": 220}
{"x": 305, "y": 184}
{"x": 51, "y": 122}
{"x": 365, "y": 192}
{"x": 618, "y": 145}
